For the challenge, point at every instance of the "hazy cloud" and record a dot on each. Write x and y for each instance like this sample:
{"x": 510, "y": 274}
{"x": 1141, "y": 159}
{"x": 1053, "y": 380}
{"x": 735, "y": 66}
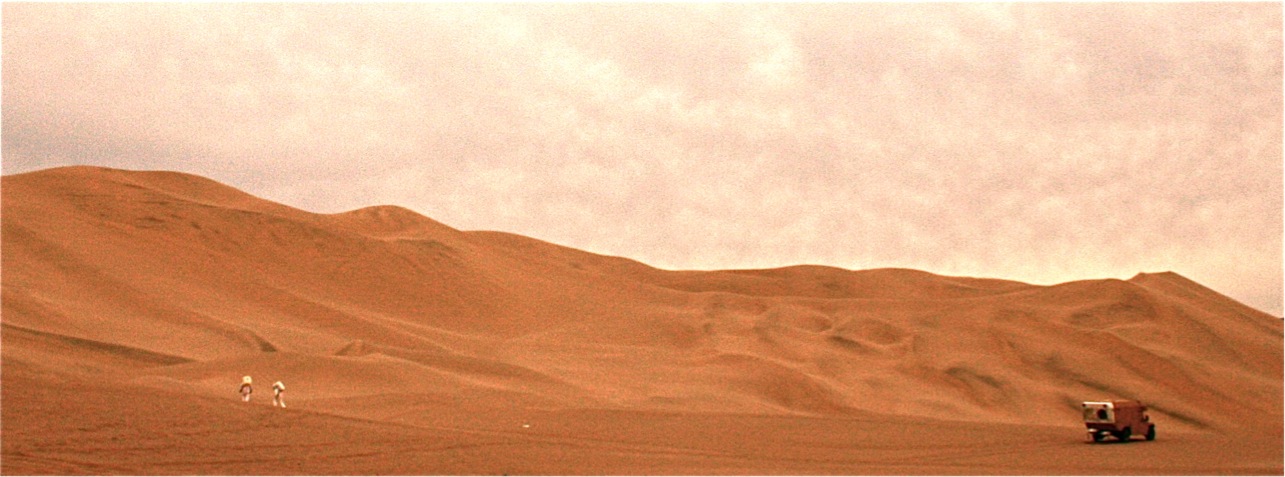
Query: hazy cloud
{"x": 1038, "y": 142}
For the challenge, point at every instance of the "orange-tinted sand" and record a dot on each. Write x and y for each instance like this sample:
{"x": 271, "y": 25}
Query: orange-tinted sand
{"x": 133, "y": 302}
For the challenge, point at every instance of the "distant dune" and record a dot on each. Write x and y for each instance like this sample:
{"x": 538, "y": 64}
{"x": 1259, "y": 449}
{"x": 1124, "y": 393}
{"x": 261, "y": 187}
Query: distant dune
{"x": 147, "y": 295}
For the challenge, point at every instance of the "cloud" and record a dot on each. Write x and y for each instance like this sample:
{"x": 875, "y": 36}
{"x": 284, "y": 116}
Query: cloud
{"x": 1037, "y": 142}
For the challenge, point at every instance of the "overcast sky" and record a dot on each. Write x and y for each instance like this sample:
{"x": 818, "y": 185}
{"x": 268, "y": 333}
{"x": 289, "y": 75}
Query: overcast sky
{"x": 1042, "y": 142}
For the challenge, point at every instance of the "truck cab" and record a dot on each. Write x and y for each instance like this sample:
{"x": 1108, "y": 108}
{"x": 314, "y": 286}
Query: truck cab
{"x": 1121, "y": 419}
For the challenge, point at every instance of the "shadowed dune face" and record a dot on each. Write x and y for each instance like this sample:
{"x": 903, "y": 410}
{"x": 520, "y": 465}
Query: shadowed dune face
{"x": 166, "y": 280}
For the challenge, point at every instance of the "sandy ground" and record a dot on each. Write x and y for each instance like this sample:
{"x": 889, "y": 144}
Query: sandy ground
{"x": 116, "y": 429}
{"x": 134, "y": 302}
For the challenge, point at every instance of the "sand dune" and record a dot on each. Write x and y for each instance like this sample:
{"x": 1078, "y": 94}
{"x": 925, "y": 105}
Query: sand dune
{"x": 133, "y": 301}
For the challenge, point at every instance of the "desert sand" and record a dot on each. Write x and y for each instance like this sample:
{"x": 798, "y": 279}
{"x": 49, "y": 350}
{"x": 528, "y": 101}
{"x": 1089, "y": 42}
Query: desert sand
{"x": 134, "y": 302}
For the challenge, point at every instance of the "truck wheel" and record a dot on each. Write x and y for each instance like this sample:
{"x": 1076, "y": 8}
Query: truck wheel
{"x": 1124, "y": 434}
{"x": 1098, "y": 436}
{"x": 1151, "y": 433}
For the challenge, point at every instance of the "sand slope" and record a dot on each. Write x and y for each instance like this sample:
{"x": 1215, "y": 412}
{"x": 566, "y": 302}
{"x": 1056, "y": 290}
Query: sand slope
{"x": 144, "y": 290}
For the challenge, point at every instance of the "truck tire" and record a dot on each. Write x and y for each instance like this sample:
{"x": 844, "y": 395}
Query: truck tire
{"x": 1124, "y": 434}
{"x": 1151, "y": 433}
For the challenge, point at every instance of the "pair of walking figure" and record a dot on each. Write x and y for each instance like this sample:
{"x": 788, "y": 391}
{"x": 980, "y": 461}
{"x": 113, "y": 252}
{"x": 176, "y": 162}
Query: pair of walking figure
{"x": 278, "y": 391}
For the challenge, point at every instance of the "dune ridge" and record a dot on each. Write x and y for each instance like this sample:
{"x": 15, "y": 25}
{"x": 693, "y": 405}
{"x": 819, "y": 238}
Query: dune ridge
{"x": 168, "y": 280}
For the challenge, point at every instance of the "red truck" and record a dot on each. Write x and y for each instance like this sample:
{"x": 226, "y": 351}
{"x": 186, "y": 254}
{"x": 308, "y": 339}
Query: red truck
{"x": 1122, "y": 419}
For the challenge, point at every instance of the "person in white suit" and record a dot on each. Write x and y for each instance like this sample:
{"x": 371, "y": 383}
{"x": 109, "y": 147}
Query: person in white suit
{"x": 246, "y": 388}
{"x": 278, "y": 394}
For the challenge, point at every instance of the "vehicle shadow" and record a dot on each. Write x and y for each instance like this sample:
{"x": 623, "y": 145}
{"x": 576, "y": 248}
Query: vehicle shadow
{"x": 1114, "y": 441}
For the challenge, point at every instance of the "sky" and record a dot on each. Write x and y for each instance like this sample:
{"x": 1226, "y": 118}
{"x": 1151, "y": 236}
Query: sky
{"x": 1038, "y": 142}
